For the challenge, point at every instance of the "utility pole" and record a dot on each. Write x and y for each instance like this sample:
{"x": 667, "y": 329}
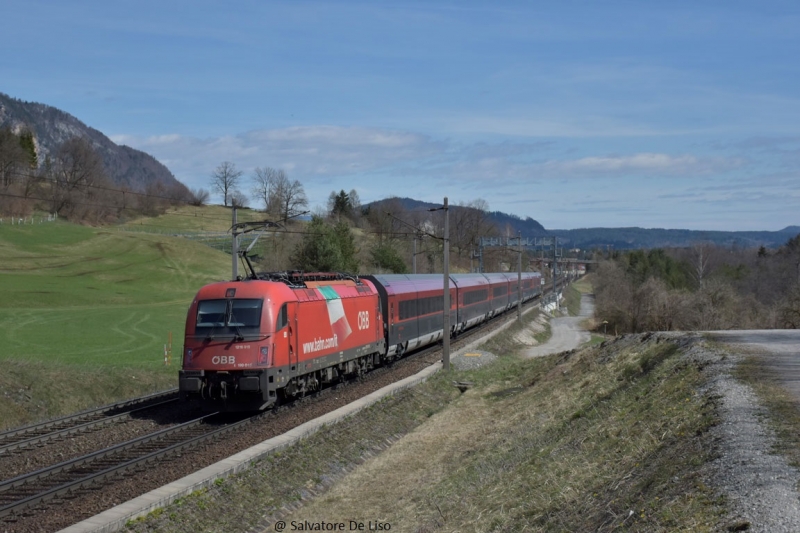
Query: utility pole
{"x": 446, "y": 283}
{"x": 446, "y": 265}
{"x": 414, "y": 257}
{"x": 519, "y": 277}
{"x": 234, "y": 244}
{"x": 555, "y": 270}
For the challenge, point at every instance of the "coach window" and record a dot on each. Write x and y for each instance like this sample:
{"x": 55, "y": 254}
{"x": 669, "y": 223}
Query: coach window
{"x": 283, "y": 318}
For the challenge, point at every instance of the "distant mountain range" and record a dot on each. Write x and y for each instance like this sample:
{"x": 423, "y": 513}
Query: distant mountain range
{"x": 620, "y": 238}
{"x": 126, "y": 167}
{"x": 632, "y": 238}
{"x": 137, "y": 170}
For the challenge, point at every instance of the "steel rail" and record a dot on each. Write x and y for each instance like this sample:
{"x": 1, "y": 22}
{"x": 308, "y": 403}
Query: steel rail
{"x": 60, "y": 433}
{"x": 104, "y": 471}
{"x": 56, "y": 425}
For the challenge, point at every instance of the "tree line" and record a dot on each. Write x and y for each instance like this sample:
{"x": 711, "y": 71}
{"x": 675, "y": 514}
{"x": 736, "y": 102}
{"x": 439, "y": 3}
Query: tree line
{"x": 72, "y": 183}
{"x": 381, "y": 238}
{"x": 334, "y": 237}
{"x": 702, "y": 287}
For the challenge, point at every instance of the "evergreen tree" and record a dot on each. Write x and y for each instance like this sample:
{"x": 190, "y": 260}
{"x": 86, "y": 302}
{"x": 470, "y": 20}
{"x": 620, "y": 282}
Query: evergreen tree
{"x": 26, "y": 141}
{"x": 385, "y": 257}
{"x": 339, "y": 205}
{"x": 326, "y": 248}
{"x": 347, "y": 246}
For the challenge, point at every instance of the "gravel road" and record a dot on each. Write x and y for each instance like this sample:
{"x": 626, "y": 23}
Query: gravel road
{"x": 760, "y": 485}
{"x": 567, "y": 333}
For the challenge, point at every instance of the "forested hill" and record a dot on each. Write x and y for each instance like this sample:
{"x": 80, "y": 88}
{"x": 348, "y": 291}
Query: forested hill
{"x": 635, "y": 238}
{"x": 603, "y": 238}
{"x": 504, "y": 223}
{"x": 125, "y": 166}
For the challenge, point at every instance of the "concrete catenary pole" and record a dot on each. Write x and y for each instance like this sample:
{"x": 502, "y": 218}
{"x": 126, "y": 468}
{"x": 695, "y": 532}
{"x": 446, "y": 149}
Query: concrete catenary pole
{"x": 446, "y": 268}
{"x": 234, "y": 244}
{"x": 555, "y": 270}
{"x": 414, "y": 257}
{"x": 519, "y": 277}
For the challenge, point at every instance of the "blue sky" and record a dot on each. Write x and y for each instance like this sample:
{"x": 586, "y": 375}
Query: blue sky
{"x": 577, "y": 114}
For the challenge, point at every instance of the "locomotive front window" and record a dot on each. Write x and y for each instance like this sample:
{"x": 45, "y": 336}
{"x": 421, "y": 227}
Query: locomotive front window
{"x": 245, "y": 313}
{"x": 211, "y": 313}
{"x": 234, "y": 317}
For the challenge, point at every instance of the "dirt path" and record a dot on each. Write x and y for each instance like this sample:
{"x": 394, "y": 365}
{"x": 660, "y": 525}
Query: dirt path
{"x": 567, "y": 333}
{"x": 760, "y": 485}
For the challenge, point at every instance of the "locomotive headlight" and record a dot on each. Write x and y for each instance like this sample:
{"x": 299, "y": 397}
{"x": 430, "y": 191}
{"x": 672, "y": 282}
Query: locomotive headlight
{"x": 262, "y": 359}
{"x": 188, "y": 355}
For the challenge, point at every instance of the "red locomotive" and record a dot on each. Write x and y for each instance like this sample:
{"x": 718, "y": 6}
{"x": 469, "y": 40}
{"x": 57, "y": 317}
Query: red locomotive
{"x": 250, "y": 343}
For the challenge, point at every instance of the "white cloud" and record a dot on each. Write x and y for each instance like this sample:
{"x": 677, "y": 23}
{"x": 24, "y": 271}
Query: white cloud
{"x": 543, "y": 180}
{"x": 644, "y": 164}
{"x": 306, "y": 150}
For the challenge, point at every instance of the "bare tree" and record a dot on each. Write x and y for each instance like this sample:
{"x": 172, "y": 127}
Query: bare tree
{"x": 225, "y": 179}
{"x": 265, "y": 187}
{"x": 12, "y": 158}
{"x": 702, "y": 252}
{"x": 238, "y": 199}
{"x": 291, "y": 197}
{"x": 383, "y": 218}
{"x": 77, "y": 167}
{"x": 790, "y": 310}
{"x": 355, "y": 205}
{"x": 152, "y": 201}
{"x": 199, "y": 197}
{"x": 469, "y": 222}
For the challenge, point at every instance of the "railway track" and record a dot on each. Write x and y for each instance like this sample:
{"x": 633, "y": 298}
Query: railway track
{"x": 36, "y": 434}
{"x": 60, "y": 495}
{"x": 28, "y": 490}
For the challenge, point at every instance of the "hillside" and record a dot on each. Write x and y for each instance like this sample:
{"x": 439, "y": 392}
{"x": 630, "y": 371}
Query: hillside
{"x": 125, "y": 166}
{"x": 86, "y": 312}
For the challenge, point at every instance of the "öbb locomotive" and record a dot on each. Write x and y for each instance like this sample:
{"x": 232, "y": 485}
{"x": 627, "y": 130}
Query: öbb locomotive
{"x": 252, "y": 343}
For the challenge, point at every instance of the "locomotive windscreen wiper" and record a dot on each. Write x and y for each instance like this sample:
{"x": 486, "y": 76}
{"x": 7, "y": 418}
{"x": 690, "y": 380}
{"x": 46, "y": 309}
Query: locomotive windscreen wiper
{"x": 235, "y": 324}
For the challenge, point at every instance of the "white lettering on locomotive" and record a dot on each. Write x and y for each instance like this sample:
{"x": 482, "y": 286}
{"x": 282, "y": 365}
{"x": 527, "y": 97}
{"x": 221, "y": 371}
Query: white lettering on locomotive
{"x": 363, "y": 320}
{"x": 321, "y": 344}
{"x": 223, "y": 360}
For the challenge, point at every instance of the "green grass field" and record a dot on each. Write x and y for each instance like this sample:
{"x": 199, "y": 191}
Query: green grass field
{"x": 214, "y": 218}
{"x": 83, "y": 305}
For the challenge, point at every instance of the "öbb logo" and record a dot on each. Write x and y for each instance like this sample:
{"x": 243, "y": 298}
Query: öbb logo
{"x": 223, "y": 360}
{"x": 363, "y": 320}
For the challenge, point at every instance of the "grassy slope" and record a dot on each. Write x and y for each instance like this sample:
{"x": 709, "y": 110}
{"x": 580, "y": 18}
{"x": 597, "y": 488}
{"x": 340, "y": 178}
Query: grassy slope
{"x": 213, "y": 218}
{"x": 607, "y": 438}
{"x": 85, "y": 314}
